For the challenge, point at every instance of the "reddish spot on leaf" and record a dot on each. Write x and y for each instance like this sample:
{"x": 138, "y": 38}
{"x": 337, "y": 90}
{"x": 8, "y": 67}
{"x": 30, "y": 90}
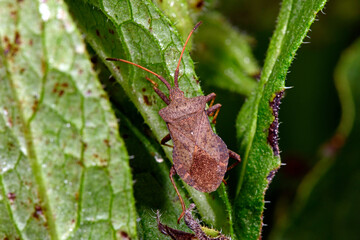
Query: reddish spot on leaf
{"x": 196, "y": 79}
{"x": 111, "y": 31}
{"x": 13, "y": 14}
{"x": 107, "y": 143}
{"x": 11, "y": 196}
{"x": 60, "y": 88}
{"x": 55, "y": 88}
{"x": 103, "y": 161}
{"x": 11, "y": 49}
{"x": 123, "y": 235}
{"x": 80, "y": 163}
{"x": 146, "y": 100}
{"x": 38, "y": 211}
{"x": 17, "y": 38}
{"x": 61, "y": 93}
{"x": 9, "y": 119}
{"x": 35, "y": 105}
{"x": 98, "y": 33}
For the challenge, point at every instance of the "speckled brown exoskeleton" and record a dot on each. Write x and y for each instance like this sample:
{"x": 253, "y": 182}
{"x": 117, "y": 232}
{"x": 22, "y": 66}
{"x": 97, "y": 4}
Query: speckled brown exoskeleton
{"x": 200, "y": 157}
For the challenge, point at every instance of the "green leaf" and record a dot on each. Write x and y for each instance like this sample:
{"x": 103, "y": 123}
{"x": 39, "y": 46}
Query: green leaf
{"x": 318, "y": 210}
{"x": 200, "y": 7}
{"x": 184, "y": 13}
{"x": 64, "y": 169}
{"x": 153, "y": 191}
{"x": 178, "y": 12}
{"x": 261, "y": 158}
{"x": 137, "y": 31}
{"x": 224, "y": 56}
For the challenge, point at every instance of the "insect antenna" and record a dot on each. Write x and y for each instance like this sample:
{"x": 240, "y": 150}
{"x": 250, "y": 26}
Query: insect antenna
{"x": 182, "y": 52}
{"x": 157, "y": 75}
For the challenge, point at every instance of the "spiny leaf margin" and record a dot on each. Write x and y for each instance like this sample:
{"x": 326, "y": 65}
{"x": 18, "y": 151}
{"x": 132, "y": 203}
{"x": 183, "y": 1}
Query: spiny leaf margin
{"x": 254, "y": 120}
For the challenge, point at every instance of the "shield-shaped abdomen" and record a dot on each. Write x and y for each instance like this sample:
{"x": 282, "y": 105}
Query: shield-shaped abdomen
{"x": 200, "y": 156}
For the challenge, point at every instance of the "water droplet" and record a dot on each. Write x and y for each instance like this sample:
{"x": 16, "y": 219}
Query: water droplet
{"x": 44, "y": 11}
{"x": 79, "y": 48}
{"x": 158, "y": 158}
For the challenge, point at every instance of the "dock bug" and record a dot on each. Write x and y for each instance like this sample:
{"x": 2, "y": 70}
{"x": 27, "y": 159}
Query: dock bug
{"x": 200, "y": 157}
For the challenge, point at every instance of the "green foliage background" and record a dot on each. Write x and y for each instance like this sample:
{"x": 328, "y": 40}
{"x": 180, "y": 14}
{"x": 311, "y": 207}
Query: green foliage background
{"x": 79, "y": 137}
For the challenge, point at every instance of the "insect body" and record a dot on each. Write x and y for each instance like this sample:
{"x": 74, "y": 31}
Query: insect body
{"x": 200, "y": 156}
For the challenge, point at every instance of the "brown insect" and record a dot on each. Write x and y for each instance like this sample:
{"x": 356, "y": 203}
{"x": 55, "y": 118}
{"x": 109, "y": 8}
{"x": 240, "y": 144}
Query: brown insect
{"x": 200, "y": 156}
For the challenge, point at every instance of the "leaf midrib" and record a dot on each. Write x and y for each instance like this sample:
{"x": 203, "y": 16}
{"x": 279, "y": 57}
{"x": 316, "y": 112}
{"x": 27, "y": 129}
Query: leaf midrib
{"x": 31, "y": 155}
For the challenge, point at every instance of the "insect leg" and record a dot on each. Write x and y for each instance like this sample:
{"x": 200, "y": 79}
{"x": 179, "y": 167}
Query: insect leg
{"x": 209, "y": 97}
{"x": 235, "y": 156}
{"x": 174, "y": 233}
{"x": 212, "y": 109}
{"x": 212, "y": 102}
{"x": 172, "y": 173}
{"x": 159, "y": 92}
{"x": 166, "y": 139}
